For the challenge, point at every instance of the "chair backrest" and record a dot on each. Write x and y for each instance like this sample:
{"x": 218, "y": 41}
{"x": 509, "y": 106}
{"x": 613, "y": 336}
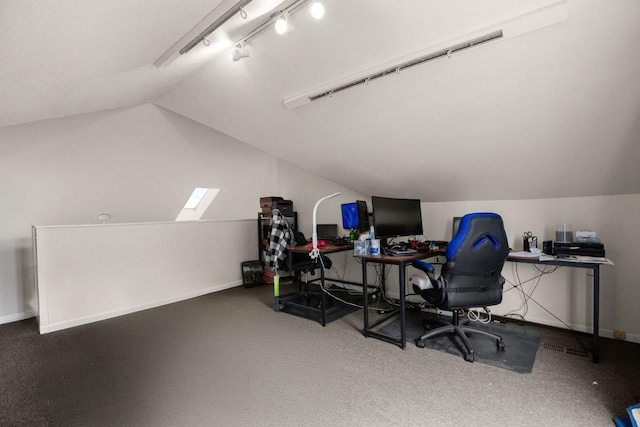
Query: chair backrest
{"x": 475, "y": 257}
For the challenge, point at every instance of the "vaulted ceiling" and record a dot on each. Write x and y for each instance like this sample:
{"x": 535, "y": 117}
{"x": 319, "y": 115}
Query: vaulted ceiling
{"x": 553, "y": 112}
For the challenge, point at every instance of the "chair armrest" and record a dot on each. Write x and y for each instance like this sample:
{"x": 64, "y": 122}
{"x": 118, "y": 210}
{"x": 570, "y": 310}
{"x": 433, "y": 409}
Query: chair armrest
{"x": 423, "y": 266}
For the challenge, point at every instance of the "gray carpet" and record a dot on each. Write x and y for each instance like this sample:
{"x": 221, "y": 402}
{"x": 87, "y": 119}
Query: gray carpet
{"x": 519, "y": 354}
{"x": 228, "y": 359}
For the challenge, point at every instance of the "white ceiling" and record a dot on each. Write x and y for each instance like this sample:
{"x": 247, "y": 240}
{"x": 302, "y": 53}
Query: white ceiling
{"x": 550, "y": 113}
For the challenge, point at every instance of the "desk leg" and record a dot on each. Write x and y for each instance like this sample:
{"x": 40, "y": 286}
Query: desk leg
{"x": 323, "y": 298}
{"x": 596, "y": 314}
{"x": 403, "y": 329}
{"x": 276, "y": 292}
{"x": 365, "y": 303}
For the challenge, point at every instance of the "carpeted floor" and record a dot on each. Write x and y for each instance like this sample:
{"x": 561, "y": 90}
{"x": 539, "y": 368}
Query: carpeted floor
{"x": 228, "y": 359}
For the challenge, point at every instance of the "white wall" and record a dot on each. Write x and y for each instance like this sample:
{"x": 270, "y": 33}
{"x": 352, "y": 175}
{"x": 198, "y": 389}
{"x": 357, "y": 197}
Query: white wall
{"x": 567, "y": 292}
{"x": 138, "y": 164}
{"x": 94, "y": 272}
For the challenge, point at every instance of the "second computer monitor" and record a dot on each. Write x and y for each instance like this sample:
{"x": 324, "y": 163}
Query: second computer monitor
{"x": 355, "y": 216}
{"x": 396, "y": 217}
{"x": 456, "y": 225}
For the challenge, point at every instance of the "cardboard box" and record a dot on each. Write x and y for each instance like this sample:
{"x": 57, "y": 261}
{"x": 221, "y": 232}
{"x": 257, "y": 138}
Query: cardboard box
{"x": 267, "y": 204}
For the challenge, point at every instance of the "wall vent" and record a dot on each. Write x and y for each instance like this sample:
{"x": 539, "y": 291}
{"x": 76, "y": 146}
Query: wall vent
{"x": 566, "y": 350}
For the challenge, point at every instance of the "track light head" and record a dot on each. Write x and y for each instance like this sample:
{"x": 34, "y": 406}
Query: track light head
{"x": 282, "y": 23}
{"x": 316, "y": 10}
{"x": 239, "y": 52}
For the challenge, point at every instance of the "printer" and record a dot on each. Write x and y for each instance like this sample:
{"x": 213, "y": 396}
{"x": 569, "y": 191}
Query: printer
{"x": 582, "y": 246}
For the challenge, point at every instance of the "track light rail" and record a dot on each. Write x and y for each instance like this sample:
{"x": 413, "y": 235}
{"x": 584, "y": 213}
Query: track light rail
{"x": 420, "y": 60}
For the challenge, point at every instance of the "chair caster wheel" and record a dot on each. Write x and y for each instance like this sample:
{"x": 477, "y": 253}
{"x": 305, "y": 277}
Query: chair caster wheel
{"x": 500, "y": 345}
{"x": 420, "y": 343}
{"x": 470, "y": 357}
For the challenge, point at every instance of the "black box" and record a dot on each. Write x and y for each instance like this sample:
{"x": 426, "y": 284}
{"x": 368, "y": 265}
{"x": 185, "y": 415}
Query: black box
{"x": 252, "y": 273}
{"x": 285, "y": 207}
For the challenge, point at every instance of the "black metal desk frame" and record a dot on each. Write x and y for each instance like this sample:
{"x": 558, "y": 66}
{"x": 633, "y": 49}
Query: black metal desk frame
{"x": 593, "y": 266}
{"x": 325, "y": 250}
{"x": 402, "y": 262}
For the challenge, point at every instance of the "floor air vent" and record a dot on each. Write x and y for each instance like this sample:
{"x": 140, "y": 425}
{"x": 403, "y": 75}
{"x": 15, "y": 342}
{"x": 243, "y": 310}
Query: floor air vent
{"x": 566, "y": 350}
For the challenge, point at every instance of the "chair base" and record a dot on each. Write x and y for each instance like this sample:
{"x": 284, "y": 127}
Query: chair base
{"x": 456, "y": 328}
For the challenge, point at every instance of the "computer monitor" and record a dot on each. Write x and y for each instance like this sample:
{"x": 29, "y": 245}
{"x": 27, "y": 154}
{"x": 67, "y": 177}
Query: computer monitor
{"x": 456, "y": 225}
{"x": 396, "y": 217}
{"x": 327, "y": 231}
{"x": 355, "y": 216}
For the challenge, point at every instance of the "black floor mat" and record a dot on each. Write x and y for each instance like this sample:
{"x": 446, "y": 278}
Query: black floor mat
{"x": 521, "y": 345}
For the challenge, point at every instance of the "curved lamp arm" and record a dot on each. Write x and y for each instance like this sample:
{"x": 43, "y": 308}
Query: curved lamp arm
{"x": 314, "y": 235}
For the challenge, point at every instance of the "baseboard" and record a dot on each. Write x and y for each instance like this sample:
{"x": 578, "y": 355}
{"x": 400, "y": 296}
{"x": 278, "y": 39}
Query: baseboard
{"x": 17, "y": 317}
{"x": 53, "y": 327}
{"x": 604, "y": 333}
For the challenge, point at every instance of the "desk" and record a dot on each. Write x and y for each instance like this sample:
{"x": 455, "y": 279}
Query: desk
{"x": 595, "y": 267}
{"x": 401, "y": 262}
{"x": 305, "y": 249}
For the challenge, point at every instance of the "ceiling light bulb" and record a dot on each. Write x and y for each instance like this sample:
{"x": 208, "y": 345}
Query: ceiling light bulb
{"x": 281, "y": 25}
{"x": 317, "y": 10}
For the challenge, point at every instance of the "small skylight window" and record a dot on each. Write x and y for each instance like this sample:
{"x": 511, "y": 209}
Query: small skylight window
{"x": 197, "y": 204}
{"x": 195, "y": 198}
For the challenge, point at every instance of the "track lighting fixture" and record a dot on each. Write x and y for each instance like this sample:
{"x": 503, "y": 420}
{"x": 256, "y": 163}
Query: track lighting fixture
{"x": 239, "y": 52}
{"x": 316, "y": 10}
{"x": 282, "y": 23}
{"x": 533, "y": 20}
{"x": 220, "y": 17}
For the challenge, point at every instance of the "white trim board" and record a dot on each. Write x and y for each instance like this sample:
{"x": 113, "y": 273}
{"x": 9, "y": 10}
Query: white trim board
{"x": 10, "y": 318}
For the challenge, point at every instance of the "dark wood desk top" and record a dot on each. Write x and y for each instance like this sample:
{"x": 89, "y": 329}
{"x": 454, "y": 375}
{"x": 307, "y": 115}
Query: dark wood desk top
{"x": 331, "y": 248}
{"x": 398, "y": 259}
{"x": 327, "y": 249}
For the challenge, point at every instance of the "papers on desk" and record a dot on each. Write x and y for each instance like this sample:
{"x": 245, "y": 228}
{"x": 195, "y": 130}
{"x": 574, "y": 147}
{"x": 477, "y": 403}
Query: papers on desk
{"x": 524, "y": 254}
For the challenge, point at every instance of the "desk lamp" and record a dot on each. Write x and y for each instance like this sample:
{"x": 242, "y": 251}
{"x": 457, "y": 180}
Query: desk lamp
{"x": 314, "y": 236}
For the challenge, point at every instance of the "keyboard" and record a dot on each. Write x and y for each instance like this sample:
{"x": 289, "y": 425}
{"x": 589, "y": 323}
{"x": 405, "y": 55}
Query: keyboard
{"x": 400, "y": 252}
{"x": 338, "y": 241}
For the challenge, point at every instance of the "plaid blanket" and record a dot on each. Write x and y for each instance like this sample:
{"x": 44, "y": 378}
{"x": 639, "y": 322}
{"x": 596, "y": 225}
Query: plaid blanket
{"x": 281, "y": 237}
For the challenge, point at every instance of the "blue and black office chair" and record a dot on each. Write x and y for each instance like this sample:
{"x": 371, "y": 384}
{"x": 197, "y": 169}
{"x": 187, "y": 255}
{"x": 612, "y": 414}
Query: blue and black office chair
{"x": 470, "y": 278}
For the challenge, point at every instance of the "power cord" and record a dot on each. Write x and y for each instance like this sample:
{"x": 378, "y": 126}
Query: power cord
{"x": 529, "y": 296}
{"x": 332, "y": 295}
{"x": 476, "y": 315}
